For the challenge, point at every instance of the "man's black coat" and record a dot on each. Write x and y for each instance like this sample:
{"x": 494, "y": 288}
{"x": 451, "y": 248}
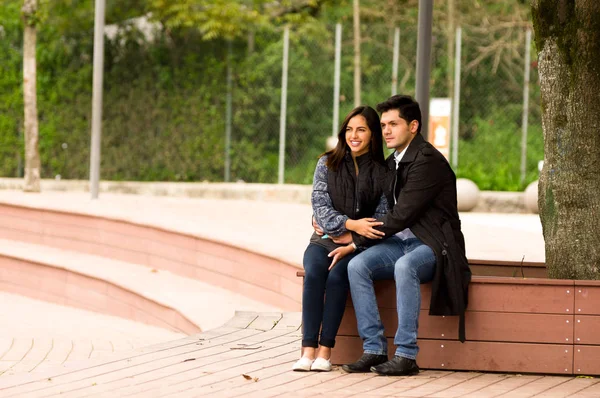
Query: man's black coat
{"x": 426, "y": 203}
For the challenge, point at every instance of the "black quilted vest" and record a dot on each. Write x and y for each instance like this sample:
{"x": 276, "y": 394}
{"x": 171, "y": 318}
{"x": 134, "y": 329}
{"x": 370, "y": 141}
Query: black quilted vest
{"x": 357, "y": 196}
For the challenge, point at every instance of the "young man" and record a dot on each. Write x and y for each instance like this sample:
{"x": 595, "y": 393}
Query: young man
{"x": 423, "y": 242}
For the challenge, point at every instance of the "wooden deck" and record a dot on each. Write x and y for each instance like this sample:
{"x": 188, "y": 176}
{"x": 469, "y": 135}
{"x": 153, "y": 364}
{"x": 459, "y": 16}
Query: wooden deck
{"x": 251, "y": 356}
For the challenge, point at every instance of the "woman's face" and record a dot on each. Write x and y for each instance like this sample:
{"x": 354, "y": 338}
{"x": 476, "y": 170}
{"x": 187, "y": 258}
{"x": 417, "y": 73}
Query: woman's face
{"x": 358, "y": 135}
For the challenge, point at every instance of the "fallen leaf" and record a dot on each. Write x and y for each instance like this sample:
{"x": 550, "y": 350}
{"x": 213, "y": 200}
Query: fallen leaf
{"x": 154, "y": 270}
{"x": 255, "y": 379}
{"x": 247, "y": 377}
{"x": 189, "y": 359}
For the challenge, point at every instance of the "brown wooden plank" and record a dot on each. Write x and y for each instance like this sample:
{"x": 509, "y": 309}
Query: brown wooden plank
{"x": 499, "y": 268}
{"x": 476, "y": 356}
{"x": 521, "y": 297}
{"x": 587, "y": 297}
{"x": 480, "y": 326}
{"x": 586, "y": 329}
{"x": 509, "y": 271}
{"x": 586, "y": 360}
{"x": 522, "y": 281}
{"x": 498, "y": 294}
{"x": 496, "y": 357}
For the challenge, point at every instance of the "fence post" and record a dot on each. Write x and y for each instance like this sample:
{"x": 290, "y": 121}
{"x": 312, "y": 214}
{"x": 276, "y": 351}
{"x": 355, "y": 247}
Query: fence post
{"x": 456, "y": 100}
{"x": 336, "y": 79}
{"x": 228, "y": 112}
{"x": 282, "y": 114}
{"x": 357, "y": 72}
{"x": 525, "y": 105}
{"x": 395, "y": 58}
{"x": 97, "y": 97}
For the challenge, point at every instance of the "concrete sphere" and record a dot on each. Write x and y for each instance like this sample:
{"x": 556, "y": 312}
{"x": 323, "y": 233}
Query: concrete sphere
{"x": 531, "y": 197}
{"x": 467, "y": 194}
{"x": 331, "y": 142}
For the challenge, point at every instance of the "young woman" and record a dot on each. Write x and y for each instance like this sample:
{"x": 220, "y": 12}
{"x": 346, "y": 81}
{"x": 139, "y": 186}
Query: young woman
{"x": 347, "y": 192}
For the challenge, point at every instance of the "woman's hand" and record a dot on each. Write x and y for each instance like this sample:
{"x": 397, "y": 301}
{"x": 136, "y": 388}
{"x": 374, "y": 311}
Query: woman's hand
{"x": 365, "y": 227}
{"x": 316, "y": 227}
{"x": 340, "y": 253}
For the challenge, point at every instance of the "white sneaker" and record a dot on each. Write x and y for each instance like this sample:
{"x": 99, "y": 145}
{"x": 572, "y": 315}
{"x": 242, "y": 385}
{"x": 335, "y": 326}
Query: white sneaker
{"x": 303, "y": 365}
{"x": 321, "y": 365}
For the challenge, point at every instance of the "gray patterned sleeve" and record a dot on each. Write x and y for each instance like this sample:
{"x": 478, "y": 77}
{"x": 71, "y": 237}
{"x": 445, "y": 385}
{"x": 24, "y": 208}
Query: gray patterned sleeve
{"x": 330, "y": 220}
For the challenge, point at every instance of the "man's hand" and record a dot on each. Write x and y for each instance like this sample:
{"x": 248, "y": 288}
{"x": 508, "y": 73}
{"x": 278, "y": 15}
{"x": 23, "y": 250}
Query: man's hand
{"x": 365, "y": 227}
{"x": 343, "y": 239}
{"x": 318, "y": 229}
{"x": 339, "y": 253}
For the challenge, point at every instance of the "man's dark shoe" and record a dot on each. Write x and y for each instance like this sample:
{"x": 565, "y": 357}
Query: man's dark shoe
{"x": 397, "y": 366}
{"x": 365, "y": 363}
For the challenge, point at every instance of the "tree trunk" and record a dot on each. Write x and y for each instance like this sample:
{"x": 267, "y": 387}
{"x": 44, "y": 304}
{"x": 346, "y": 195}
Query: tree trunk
{"x": 357, "y": 89}
{"x": 567, "y": 36}
{"x": 32, "y": 156}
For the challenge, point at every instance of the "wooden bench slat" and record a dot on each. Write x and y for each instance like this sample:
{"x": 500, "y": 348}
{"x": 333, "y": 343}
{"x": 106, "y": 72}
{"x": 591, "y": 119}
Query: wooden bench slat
{"x": 483, "y": 356}
{"x": 480, "y": 326}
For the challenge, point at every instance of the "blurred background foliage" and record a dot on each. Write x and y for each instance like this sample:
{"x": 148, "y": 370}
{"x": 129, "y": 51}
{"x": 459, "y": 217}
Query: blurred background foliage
{"x": 165, "y": 85}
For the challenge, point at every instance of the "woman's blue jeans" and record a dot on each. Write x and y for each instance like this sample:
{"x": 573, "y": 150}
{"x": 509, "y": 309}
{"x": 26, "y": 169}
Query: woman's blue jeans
{"x": 409, "y": 262}
{"x": 323, "y": 297}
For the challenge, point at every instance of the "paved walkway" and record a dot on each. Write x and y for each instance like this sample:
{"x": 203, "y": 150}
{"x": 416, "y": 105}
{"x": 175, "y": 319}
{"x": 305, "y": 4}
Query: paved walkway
{"x": 36, "y": 335}
{"x": 251, "y": 356}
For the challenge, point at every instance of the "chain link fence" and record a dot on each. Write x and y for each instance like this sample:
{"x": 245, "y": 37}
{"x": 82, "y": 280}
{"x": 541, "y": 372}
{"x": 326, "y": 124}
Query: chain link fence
{"x": 166, "y": 103}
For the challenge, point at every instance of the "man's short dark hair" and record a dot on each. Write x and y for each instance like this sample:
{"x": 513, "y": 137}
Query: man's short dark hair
{"x": 407, "y": 107}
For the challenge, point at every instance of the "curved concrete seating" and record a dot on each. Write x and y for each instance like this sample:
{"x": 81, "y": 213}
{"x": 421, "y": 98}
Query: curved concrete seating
{"x": 113, "y": 287}
{"x": 256, "y": 276}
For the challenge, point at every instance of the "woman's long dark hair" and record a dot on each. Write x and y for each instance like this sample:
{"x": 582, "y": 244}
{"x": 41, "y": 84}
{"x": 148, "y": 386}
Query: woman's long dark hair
{"x": 336, "y": 155}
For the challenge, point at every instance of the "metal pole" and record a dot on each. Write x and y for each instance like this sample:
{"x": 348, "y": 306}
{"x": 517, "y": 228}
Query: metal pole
{"x": 357, "y": 72}
{"x": 456, "y": 100}
{"x": 423, "y": 61}
{"x": 395, "y": 58}
{"x": 336, "y": 79}
{"x": 525, "y": 105}
{"x": 19, "y": 159}
{"x": 284, "y": 77}
{"x": 228, "y": 115}
{"x": 97, "y": 97}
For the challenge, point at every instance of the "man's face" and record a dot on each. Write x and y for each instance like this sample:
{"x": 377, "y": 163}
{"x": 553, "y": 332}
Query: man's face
{"x": 397, "y": 133}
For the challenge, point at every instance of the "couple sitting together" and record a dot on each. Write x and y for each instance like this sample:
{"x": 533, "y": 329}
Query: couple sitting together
{"x": 376, "y": 219}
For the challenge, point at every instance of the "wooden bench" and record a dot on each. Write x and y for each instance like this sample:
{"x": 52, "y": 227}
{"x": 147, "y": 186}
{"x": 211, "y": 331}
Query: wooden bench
{"x": 524, "y": 325}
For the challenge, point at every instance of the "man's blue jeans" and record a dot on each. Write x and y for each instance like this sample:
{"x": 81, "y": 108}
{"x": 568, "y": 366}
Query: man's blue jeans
{"x": 409, "y": 262}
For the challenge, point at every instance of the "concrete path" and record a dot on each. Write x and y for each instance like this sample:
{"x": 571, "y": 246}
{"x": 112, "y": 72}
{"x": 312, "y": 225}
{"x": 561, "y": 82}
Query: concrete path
{"x": 281, "y": 230}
